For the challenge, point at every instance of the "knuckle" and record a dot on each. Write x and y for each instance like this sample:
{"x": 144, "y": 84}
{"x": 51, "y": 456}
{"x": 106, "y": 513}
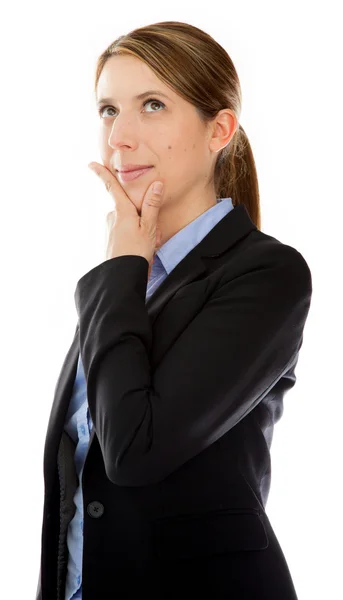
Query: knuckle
{"x": 154, "y": 201}
{"x": 110, "y": 218}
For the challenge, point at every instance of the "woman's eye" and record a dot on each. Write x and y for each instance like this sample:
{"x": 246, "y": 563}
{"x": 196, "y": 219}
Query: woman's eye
{"x": 150, "y": 100}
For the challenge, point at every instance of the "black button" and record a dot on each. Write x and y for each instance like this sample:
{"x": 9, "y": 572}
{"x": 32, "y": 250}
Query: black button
{"x": 95, "y": 509}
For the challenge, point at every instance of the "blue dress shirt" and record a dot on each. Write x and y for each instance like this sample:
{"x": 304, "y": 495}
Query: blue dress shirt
{"x": 78, "y": 423}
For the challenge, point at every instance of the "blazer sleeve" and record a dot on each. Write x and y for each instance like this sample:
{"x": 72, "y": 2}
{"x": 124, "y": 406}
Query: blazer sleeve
{"x": 221, "y": 366}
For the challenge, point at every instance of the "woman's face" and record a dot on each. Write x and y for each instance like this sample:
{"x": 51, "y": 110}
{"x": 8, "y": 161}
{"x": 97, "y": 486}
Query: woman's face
{"x": 166, "y": 133}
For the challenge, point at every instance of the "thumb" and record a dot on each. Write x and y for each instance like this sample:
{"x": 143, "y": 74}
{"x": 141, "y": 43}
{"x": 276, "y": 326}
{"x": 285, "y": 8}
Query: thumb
{"x": 152, "y": 203}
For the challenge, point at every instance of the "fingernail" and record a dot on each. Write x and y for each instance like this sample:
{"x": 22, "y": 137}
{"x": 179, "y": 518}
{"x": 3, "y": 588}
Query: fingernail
{"x": 157, "y": 187}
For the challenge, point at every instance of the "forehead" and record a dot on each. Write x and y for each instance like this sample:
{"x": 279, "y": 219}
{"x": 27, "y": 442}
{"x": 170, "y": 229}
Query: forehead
{"x": 128, "y": 78}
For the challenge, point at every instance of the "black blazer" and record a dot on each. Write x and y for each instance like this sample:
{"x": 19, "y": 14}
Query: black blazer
{"x": 184, "y": 390}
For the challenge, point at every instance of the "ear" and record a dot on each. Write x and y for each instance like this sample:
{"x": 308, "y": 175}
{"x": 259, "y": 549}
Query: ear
{"x": 224, "y": 127}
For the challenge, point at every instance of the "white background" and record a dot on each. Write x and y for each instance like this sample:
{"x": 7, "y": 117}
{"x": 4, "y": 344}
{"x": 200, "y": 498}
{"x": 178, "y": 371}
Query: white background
{"x": 53, "y": 209}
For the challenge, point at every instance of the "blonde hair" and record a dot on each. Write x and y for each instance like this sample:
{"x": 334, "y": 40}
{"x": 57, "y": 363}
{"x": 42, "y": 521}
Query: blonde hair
{"x": 173, "y": 50}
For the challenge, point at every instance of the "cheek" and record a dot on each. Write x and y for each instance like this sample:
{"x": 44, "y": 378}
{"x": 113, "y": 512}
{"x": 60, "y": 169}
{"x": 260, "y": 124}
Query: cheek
{"x": 183, "y": 152}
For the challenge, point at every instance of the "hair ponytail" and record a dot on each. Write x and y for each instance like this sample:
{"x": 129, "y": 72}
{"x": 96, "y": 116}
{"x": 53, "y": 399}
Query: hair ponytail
{"x": 235, "y": 175}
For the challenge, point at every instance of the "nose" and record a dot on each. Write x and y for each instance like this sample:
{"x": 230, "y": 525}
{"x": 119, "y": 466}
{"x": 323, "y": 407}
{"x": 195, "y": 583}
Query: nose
{"x": 123, "y": 133}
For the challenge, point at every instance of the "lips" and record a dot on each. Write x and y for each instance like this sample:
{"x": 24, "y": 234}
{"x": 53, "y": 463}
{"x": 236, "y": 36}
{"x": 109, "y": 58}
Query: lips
{"x": 133, "y": 168}
{"x": 133, "y": 174}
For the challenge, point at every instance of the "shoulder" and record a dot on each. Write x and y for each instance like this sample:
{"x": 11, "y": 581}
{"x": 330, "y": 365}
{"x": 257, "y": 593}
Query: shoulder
{"x": 263, "y": 266}
{"x": 285, "y": 261}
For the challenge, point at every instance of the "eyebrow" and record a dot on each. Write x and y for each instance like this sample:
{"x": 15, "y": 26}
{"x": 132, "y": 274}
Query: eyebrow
{"x": 139, "y": 97}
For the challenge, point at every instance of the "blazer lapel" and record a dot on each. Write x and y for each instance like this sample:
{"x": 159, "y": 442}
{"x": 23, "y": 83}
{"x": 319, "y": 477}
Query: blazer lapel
{"x": 234, "y": 226}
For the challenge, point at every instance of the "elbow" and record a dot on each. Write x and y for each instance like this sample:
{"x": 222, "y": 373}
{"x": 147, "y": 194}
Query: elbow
{"x": 139, "y": 469}
{"x": 132, "y": 476}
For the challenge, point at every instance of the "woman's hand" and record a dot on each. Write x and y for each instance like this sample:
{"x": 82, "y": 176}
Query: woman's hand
{"x": 129, "y": 232}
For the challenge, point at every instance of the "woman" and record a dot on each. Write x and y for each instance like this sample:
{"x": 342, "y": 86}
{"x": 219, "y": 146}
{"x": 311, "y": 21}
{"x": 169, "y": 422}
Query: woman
{"x": 157, "y": 455}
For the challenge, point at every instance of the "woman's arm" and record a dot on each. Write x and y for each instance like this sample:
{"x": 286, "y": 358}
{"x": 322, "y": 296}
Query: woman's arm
{"x": 221, "y": 366}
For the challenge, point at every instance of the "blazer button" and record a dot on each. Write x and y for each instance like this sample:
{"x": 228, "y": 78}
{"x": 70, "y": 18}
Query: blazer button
{"x": 95, "y": 509}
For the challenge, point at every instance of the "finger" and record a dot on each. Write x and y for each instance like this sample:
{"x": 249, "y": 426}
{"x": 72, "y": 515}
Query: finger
{"x": 110, "y": 219}
{"x": 151, "y": 206}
